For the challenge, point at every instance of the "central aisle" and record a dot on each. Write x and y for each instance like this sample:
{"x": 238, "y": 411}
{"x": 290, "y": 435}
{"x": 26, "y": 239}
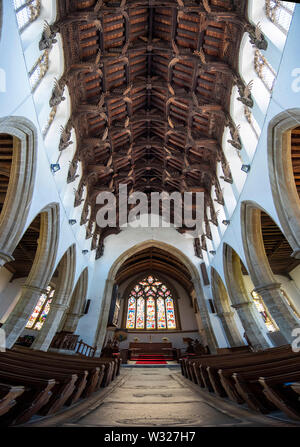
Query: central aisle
{"x": 162, "y": 397}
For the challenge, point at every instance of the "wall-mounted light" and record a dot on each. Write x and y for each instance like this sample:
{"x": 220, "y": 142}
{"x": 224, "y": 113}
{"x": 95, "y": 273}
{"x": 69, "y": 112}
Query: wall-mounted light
{"x": 212, "y": 252}
{"x": 245, "y": 168}
{"x": 85, "y": 252}
{"x": 72, "y": 221}
{"x": 225, "y": 222}
{"x": 55, "y": 167}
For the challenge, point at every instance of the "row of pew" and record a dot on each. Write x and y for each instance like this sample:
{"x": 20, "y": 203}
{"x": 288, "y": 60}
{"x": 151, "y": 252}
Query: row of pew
{"x": 266, "y": 381}
{"x": 42, "y": 383}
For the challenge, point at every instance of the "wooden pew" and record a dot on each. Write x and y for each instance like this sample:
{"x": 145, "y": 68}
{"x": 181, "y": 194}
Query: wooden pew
{"x": 41, "y": 365}
{"x": 209, "y": 367}
{"x": 63, "y": 389}
{"x": 8, "y": 395}
{"x": 87, "y": 362}
{"x": 37, "y": 393}
{"x": 278, "y": 390}
{"x": 230, "y": 377}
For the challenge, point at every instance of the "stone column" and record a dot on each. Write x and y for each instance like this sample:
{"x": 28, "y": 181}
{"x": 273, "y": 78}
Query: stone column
{"x": 232, "y": 334}
{"x": 246, "y": 315}
{"x": 5, "y": 258}
{"x": 279, "y": 310}
{"x": 103, "y": 316}
{"x": 71, "y": 322}
{"x": 19, "y": 317}
{"x": 205, "y": 320}
{"x": 50, "y": 326}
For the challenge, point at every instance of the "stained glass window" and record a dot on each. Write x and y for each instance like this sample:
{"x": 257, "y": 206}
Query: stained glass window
{"x": 42, "y": 309}
{"x": 27, "y": 11}
{"x": 151, "y": 306}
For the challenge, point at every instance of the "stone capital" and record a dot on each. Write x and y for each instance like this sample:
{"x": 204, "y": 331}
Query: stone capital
{"x": 296, "y": 254}
{"x": 58, "y": 306}
{"x": 225, "y": 314}
{"x": 5, "y": 257}
{"x": 33, "y": 289}
{"x": 243, "y": 304}
{"x": 267, "y": 287}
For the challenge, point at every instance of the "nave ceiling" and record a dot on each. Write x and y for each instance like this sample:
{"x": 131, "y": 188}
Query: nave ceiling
{"x": 150, "y": 85}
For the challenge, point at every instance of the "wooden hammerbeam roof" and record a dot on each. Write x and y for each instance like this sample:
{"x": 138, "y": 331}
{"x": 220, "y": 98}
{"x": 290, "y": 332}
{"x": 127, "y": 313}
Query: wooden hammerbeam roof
{"x": 150, "y": 84}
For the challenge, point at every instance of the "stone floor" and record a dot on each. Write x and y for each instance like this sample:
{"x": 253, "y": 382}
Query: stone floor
{"x": 159, "y": 397}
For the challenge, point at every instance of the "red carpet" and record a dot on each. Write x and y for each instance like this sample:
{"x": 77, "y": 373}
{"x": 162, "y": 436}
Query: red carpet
{"x": 151, "y": 359}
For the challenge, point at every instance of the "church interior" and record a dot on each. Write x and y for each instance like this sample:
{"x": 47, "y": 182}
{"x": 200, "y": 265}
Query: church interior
{"x": 196, "y": 316}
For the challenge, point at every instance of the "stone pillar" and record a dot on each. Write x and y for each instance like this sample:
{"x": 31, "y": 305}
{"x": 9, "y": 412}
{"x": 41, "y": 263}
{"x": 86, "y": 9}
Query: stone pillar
{"x": 208, "y": 332}
{"x": 103, "y": 316}
{"x": 19, "y": 317}
{"x": 50, "y": 327}
{"x": 279, "y": 311}
{"x": 246, "y": 315}
{"x": 71, "y": 322}
{"x": 232, "y": 334}
{"x": 5, "y": 258}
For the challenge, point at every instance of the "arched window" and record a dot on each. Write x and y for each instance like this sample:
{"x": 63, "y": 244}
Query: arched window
{"x": 27, "y": 11}
{"x": 151, "y": 306}
{"x": 39, "y": 70}
{"x": 41, "y": 310}
{"x": 280, "y": 13}
{"x": 264, "y": 70}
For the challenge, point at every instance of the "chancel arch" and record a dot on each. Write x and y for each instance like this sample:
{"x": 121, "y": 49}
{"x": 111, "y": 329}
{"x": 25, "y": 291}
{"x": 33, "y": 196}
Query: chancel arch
{"x": 175, "y": 262}
{"x": 224, "y": 310}
{"x": 34, "y": 260}
{"x": 241, "y": 299}
{"x": 18, "y": 145}
{"x": 269, "y": 254}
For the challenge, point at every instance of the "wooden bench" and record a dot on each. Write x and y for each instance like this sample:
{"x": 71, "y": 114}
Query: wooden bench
{"x": 37, "y": 393}
{"x": 8, "y": 395}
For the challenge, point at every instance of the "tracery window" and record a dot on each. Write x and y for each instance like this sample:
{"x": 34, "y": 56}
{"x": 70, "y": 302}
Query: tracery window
{"x": 42, "y": 309}
{"x": 280, "y": 13}
{"x": 39, "y": 70}
{"x": 260, "y": 305}
{"x": 264, "y": 70}
{"x": 27, "y": 11}
{"x": 151, "y": 306}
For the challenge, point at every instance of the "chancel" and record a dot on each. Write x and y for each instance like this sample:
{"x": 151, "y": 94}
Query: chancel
{"x": 179, "y": 305}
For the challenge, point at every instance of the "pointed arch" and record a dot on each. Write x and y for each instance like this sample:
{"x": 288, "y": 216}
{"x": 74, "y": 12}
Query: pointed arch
{"x": 39, "y": 276}
{"x": 77, "y": 303}
{"x": 61, "y": 299}
{"x": 284, "y": 190}
{"x": 18, "y": 197}
{"x": 264, "y": 280}
{"x": 240, "y": 299}
{"x": 224, "y": 309}
{"x": 207, "y": 330}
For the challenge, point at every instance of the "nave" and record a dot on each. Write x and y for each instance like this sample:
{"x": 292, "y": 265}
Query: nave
{"x": 159, "y": 397}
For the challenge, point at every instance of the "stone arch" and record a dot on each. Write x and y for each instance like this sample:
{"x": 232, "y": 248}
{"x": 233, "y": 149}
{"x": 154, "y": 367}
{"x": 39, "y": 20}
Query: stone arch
{"x": 285, "y": 195}
{"x": 39, "y": 276}
{"x": 106, "y": 299}
{"x": 260, "y": 270}
{"x": 21, "y": 182}
{"x": 224, "y": 310}
{"x": 240, "y": 299}
{"x": 61, "y": 299}
{"x": 76, "y": 308}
